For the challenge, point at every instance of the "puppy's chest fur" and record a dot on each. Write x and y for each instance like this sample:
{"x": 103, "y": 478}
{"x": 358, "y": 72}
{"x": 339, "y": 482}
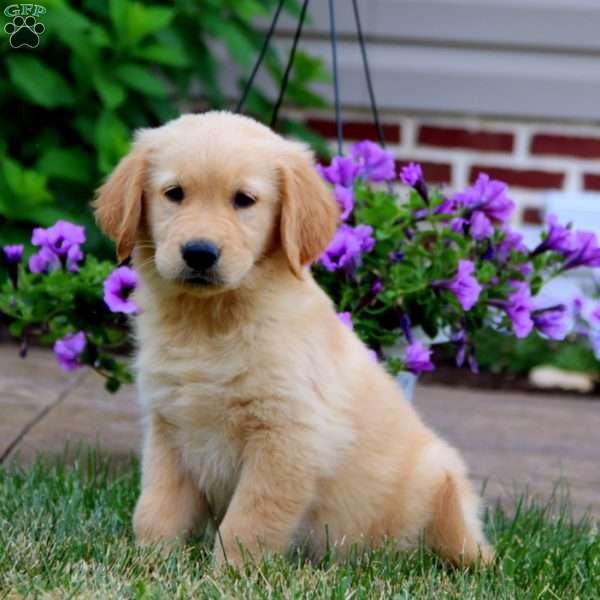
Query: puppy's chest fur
{"x": 212, "y": 395}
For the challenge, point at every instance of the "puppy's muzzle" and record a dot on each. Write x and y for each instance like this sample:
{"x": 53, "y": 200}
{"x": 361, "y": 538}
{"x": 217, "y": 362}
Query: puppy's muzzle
{"x": 200, "y": 255}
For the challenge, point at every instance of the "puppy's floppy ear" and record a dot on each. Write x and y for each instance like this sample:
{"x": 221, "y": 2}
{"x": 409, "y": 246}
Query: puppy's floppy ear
{"x": 309, "y": 213}
{"x": 118, "y": 202}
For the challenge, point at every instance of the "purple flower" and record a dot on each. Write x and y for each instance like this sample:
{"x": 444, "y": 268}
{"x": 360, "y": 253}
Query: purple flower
{"x": 595, "y": 342}
{"x": 518, "y": 307}
{"x": 447, "y": 207}
{"x": 118, "y": 287}
{"x": 558, "y": 239}
{"x": 585, "y": 253}
{"x": 411, "y": 174}
{"x": 512, "y": 241}
{"x": 596, "y": 313}
{"x": 464, "y": 285}
{"x": 396, "y": 256}
{"x": 346, "y": 319}
{"x": 552, "y": 321}
{"x": 44, "y": 261}
{"x": 347, "y": 247}
{"x": 458, "y": 224}
{"x": 342, "y": 171}
{"x": 417, "y": 358}
{"x": 345, "y": 198}
{"x": 481, "y": 226}
{"x": 377, "y": 287}
{"x": 488, "y": 196}
{"x": 525, "y": 269}
{"x": 60, "y": 237}
{"x": 376, "y": 164}
{"x": 13, "y": 254}
{"x": 68, "y": 349}
{"x": 74, "y": 257}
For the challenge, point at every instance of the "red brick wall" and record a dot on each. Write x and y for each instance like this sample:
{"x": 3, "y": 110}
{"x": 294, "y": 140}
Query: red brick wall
{"x": 533, "y": 158}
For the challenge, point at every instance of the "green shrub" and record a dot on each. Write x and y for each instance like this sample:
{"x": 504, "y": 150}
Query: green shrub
{"x": 104, "y": 68}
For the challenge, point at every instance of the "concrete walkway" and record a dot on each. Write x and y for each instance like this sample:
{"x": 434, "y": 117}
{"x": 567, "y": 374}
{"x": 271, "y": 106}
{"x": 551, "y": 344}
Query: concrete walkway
{"x": 513, "y": 442}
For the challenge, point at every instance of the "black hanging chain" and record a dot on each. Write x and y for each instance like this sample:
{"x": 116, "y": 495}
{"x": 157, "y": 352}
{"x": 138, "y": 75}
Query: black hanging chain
{"x": 288, "y": 69}
{"x": 339, "y": 127}
{"x": 261, "y": 56}
{"x": 363, "y": 50}
{"x": 286, "y": 76}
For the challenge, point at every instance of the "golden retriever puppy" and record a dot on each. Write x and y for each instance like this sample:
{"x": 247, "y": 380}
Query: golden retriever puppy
{"x": 261, "y": 406}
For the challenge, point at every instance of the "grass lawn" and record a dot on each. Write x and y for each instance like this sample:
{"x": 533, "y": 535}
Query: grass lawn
{"x": 66, "y": 532}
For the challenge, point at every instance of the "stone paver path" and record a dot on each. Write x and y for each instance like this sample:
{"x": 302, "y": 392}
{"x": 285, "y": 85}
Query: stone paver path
{"x": 512, "y": 441}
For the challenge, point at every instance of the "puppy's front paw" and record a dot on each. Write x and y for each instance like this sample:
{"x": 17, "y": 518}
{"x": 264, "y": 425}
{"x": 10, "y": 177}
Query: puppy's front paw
{"x": 155, "y": 522}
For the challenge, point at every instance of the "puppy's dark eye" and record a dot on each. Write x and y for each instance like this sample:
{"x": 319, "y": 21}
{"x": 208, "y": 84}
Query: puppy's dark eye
{"x": 242, "y": 200}
{"x": 175, "y": 193}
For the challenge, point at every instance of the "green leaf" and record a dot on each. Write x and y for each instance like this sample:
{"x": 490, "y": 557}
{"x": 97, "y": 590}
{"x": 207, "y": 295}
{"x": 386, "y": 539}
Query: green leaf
{"x": 111, "y": 92}
{"x": 140, "y": 79}
{"x": 66, "y": 163}
{"x": 39, "y": 83}
{"x": 236, "y": 40}
{"x": 134, "y": 21}
{"x": 112, "y": 139}
{"x": 173, "y": 56}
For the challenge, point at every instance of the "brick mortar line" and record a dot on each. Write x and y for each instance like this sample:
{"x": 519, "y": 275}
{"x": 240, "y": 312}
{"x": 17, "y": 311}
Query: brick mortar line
{"x": 41, "y": 415}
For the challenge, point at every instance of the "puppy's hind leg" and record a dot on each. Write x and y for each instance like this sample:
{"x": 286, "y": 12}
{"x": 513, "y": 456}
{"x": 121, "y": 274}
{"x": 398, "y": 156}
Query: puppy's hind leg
{"x": 454, "y": 531}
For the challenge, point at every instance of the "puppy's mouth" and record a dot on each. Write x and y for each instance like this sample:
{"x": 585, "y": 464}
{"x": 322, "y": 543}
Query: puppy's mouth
{"x": 209, "y": 279}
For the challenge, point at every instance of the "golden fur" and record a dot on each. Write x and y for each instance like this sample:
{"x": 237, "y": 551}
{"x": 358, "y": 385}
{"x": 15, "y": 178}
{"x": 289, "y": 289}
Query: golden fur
{"x": 258, "y": 400}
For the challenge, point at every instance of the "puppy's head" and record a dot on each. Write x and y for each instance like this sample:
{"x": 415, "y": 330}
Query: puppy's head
{"x": 206, "y": 198}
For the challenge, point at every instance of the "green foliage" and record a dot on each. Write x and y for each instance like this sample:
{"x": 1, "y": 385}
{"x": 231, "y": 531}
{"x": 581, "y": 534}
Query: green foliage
{"x": 65, "y": 531}
{"x": 105, "y": 68}
{"x": 501, "y": 353}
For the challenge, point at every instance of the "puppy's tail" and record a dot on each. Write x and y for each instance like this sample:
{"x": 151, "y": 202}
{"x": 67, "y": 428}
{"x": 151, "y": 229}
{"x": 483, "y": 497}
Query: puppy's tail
{"x": 455, "y": 537}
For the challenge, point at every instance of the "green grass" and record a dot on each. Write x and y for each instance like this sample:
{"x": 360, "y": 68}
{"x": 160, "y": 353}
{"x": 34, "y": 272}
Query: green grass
{"x": 65, "y": 532}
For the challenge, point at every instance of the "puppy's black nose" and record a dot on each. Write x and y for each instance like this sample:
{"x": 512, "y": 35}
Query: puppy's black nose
{"x": 200, "y": 255}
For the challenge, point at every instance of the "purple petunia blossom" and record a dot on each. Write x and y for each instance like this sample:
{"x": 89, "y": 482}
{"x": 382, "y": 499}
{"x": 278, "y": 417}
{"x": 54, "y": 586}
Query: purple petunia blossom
{"x": 118, "y": 287}
{"x": 377, "y": 287}
{"x": 60, "y": 237}
{"x": 518, "y": 307}
{"x": 396, "y": 256}
{"x": 342, "y": 171}
{"x": 74, "y": 257}
{"x": 411, "y": 174}
{"x": 595, "y": 342}
{"x": 458, "y": 224}
{"x": 68, "y": 349}
{"x": 481, "y": 226}
{"x": 558, "y": 239}
{"x": 512, "y": 241}
{"x": 346, "y": 319}
{"x": 447, "y": 207}
{"x": 417, "y": 358}
{"x": 13, "y": 253}
{"x": 525, "y": 269}
{"x": 347, "y": 247}
{"x": 464, "y": 285}
{"x": 376, "y": 164}
{"x": 44, "y": 261}
{"x": 345, "y": 199}
{"x": 488, "y": 196}
{"x": 585, "y": 253}
{"x": 552, "y": 321}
